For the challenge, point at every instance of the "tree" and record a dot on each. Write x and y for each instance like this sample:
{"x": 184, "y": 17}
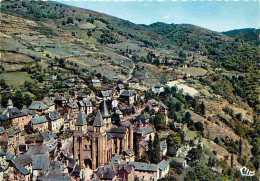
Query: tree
{"x": 194, "y": 154}
{"x": 199, "y": 126}
{"x": 70, "y": 20}
{"x": 27, "y": 99}
{"x": 156, "y": 150}
{"x": 18, "y": 100}
{"x": 164, "y": 80}
{"x": 202, "y": 109}
{"x": 150, "y": 149}
{"x": 173, "y": 144}
{"x": 158, "y": 122}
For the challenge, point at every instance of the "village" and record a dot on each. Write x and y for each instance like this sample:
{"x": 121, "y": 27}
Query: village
{"x": 85, "y": 136}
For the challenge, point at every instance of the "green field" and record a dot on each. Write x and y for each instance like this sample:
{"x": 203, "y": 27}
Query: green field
{"x": 15, "y": 78}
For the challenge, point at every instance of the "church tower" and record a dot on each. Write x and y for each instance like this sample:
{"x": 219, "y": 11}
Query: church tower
{"x": 99, "y": 155}
{"x": 10, "y": 104}
{"x": 81, "y": 123}
{"x": 106, "y": 115}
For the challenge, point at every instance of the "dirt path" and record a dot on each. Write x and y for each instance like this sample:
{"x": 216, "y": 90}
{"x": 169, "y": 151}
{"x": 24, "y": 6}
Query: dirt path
{"x": 130, "y": 74}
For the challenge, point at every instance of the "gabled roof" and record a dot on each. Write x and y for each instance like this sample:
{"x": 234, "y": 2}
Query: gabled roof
{"x": 39, "y": 120}
{"x": 141, "y": 166}
{"x": 104, "y": 111}
{"x": 15, "y": 113}
{"x": 105, "y": 93}
{"x": 81, "y": 120}
{"x": 127, "y": 93}
{"x": 2, "y": 130}
{"x": 73, "y": 105}
{"x": 37, "y": 105}
{"x": 144, "y": 130}
{"x": 60, "y": 98}
{"x": 10, "y": 102}
{"x": 49, "y": 101}
{"x": 163, "y": 164}
{"x": 54, "y": 115}
{"x": 99, "y": 120}
{"x": 3, "y": 117}
{"x": 158, "y": 86}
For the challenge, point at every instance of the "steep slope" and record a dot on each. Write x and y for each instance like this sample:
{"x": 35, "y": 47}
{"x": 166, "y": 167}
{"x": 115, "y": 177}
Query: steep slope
{"x": 96, "y": 27}
{"x": 250, "y": 35}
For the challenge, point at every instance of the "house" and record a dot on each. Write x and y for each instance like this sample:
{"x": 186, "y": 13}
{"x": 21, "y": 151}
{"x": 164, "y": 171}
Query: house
{"x": 134, "y": 83}
{"x": 120, "y": 88}
{"x": 163, "y": 146}
{"x": 143, "y": 132}
{"x": 105, "y": 95}
{"x": 18, "y": 118}
{"x": 126, "y": 172}
{"x": 129, "y": 96}
{"x": 60, "y": 101}
{"x": 164, "y": 167}
{"x": 96, "y": 83}
{"x": 157, "y": 89}
{"x": 55, "y": 121}
{"x": 39, "y": 123}
{"x": 49, "y": 101}
{"x": 38, "y": 107}
{"x": 129, "y": 155}
{"x": 179, "y": 162}
{"x": 88, "y": 106}
{"x": 158, "y": 107}
{"x": 144, "y": 171}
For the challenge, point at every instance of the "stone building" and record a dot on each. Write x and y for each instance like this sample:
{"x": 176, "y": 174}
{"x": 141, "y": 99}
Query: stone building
{"x": 94, "y": 146}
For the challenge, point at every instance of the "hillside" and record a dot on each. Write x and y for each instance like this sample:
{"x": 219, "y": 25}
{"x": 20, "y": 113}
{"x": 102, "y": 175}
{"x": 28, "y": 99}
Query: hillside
{"x": 250, "y": 35}
{"x": 99, "y": 28}
{"x": 50, "y": 49}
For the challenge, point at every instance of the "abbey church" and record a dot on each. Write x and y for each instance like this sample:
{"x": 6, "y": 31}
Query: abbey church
{"x": 94, "y": 145}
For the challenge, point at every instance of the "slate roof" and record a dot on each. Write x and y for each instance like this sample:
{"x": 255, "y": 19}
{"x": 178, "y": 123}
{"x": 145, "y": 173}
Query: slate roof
{"x": 49, "y": 101}
{"x": 3, "y": 117}
{"x": 127, "y": 93}
{"x": 53, "y": 175}
{"x": 53, "y": 115}
{"x": 118, "y": 130}
{"x": 9, "y": 156}
{"x": 144, "y": 130}
{"x": 81, "y": 120}
{"x": 2, "y": 130}
{"x": 141, "y": 166}
{"x": 10, "y": 102}
{"x": 109, "y": 136}
{"x": 158, "y": 86}
{"x": 105, "y": 93}
{"x": 104, "y": 110}
{"x": 81, "y": 104}
{"x": 144, "y": 117}
{"x": 15, "y": 113}
{"x": 60, "y": 98}
{"x": 51, "y": 144}
{"x": 37, "y": 105}
{"x": 120, "y": 86}
{"x": 99, "y": 120}
{"x": 39, "y": 120}
{"x": 20, "y": 168}
{"x": 40, "y": 162}
{"x": 106, "y": 173}
{"x": 117, "y": 135}
{"x": 72, "y": 105}
{"x": 87, "y": 102}
{"x": 163, "y": 164}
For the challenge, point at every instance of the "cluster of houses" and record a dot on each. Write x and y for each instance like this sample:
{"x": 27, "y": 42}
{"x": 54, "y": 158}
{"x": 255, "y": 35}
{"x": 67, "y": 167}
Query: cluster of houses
{"x": 80, "y": 136}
